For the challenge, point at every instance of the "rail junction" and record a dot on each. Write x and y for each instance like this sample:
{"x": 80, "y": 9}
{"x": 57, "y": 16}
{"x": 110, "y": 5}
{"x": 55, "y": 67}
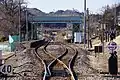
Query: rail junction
{"x": 49, "y": 68}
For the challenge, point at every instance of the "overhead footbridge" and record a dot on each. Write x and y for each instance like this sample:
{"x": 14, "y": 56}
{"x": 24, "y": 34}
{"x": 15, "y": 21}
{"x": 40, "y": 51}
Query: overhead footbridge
{"x": 56, "y": 19}
{"x": 38, "y": 24}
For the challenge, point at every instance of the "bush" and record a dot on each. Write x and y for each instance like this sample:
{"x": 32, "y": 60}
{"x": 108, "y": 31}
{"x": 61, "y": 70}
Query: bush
{"x": 2, "y": 38}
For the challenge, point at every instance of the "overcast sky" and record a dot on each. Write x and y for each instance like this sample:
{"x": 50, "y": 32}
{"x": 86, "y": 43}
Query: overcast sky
{"x": 54, "y": 5}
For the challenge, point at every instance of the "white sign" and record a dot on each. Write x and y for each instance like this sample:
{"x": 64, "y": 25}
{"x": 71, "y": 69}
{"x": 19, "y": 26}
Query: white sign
{"x": 112, "y": 46}
{"x": 10, "y": 39}
{"x": 77, "y": 37}
{"x": 6, "y": 69}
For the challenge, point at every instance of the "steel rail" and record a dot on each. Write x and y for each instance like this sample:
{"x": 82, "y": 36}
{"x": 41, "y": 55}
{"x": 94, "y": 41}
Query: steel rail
{"x": 59, "y": 57}
{"x": 84, "y": 61}
{"x": 60, "y": 61}
{"x": 43, "y": 62}
{"x": 40, "y": 59}
{"x": 71, "y": 63}
{"x": 50, "y": 64}
{"x": 47, "y": 68}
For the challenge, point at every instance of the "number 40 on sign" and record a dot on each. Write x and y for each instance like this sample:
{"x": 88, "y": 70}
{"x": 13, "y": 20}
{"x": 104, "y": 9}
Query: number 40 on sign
{"x": 6, "y": 69}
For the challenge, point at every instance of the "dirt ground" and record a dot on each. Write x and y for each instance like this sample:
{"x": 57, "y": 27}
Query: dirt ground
{"x": 100, "y": 62}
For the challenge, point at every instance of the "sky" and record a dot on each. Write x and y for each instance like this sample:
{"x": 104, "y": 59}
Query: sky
{"x": 54, "y": 5}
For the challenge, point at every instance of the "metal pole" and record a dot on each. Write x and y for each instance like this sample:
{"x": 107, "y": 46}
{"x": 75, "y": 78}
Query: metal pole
{"x": 32, "y": 31}
{"x": 26, "y": 24}
{"x": 79, "y": 32}
{"x": 115, "y": 20}
{"x": 88, "y": 25}
{"x": 19, "y": 21}
{"x": 103, "y": 27}
{"x": 84, "y": 23}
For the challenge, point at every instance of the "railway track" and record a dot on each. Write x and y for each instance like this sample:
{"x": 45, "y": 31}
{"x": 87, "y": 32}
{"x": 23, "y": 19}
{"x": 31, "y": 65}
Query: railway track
{"x": 49, "y": 60}
{"x": 72, "y": 60}
{"x": 46, "y": 59}
{"x": 56, "y": 60}
{"x": 42, "y": 58}
{"x": 59, "y": 67}
{"x": 68, "y": 63}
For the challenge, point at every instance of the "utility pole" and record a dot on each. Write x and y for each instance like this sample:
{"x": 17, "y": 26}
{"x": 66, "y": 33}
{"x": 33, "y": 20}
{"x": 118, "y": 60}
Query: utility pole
{"x": 103, "y": 28}
{"x": 26, "y": 24}
{"x": 115, "y": 15}
{"x": 84, "y": 23}
{"x": 32, "y": 32}
{"x": 19, "y": 21}
{"x": 88, "y": 25}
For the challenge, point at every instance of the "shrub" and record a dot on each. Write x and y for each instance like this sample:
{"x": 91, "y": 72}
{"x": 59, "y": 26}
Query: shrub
{"x": 2, "y": 38}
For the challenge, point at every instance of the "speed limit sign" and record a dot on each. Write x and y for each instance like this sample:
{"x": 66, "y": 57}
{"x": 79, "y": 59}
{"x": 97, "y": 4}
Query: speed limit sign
{"x": 6, "y": 69}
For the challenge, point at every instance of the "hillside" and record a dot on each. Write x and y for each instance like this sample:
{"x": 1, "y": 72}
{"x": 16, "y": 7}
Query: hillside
{"x": 37, "y": 12}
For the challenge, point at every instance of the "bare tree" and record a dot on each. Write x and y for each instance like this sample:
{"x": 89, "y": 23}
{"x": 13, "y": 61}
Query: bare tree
{"x": 9, "y": 12}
